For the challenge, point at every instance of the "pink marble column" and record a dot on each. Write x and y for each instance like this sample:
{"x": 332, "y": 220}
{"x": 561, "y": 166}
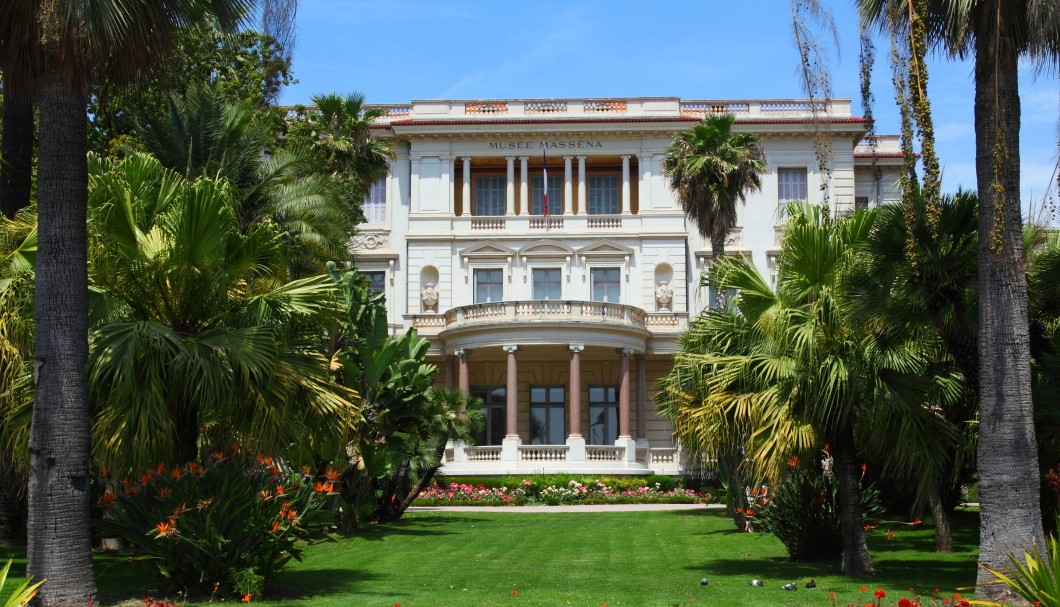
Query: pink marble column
{"x": 576, "y": 389}
{"x": 450, "y": 372}
{"x": 512, "y": 396}
{"x": 623, "y": 394}
{"x": 464, "y": 381}
{"x": 642, "y": 389}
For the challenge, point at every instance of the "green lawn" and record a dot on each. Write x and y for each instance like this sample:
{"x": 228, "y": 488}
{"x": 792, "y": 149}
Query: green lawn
{"x": 633, "y": 559}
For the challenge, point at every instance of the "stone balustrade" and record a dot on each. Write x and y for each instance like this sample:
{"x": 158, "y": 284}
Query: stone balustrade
{"x": 483, "y": 454}
{"x": 543, "y": 453}
{"x": 551, "y": 310}
{"x": 603, "y": 453}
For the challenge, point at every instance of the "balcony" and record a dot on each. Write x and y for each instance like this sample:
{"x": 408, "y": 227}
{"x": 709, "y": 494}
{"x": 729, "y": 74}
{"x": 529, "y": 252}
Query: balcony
{"x": 548, "y": 322}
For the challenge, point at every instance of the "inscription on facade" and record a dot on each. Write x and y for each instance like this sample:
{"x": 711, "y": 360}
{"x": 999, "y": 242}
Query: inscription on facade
{"x": 584, "y": 144}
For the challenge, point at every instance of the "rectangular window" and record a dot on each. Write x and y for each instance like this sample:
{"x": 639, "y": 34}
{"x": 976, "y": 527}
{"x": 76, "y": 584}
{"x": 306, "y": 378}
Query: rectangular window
{"x": 555, "y": 195}
{"x": 547, "y": 413}
{"x": 489, "y": 285}
{"x": 548, "y": 283}
{"x": 377, "y": 280}
{"x": 861, "y": 203}
{"x": 605, "y": 284}
{"x": 603, "y": 415}
{"x": 374, "y": 206}
{"x": 491, "y": 197}
{"x": 495, "y": 411}
{"x": 791, "y": 186}
{"x": 603, "y": 194}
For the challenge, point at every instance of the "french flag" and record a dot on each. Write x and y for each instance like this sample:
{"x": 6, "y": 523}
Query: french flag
{"x": 544, "y": 171}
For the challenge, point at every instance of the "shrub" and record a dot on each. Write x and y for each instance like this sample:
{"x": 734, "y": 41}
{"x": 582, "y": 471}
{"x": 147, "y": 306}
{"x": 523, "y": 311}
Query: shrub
{"x": 224, "y": 526}
{"x": 803, "y": 512}
{"x": 527, "y": 492}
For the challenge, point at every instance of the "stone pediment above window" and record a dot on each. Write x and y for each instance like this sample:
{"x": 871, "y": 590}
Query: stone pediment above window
{"x": 604, "y": 248}
{"x": 547, "y": 248}
{"x": 488, "y": 250}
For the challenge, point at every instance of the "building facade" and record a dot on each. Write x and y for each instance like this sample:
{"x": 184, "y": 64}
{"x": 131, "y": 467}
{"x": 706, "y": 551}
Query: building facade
{"x": 538, "y": 246}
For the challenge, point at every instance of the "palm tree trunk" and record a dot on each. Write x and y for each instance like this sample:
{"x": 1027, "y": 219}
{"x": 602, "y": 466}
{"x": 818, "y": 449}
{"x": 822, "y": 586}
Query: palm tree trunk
{"x": 856, "y": 557}
{"x": 16, "y": 156}
{"x": 943, "y": 535}
{"x": 1009, "y": 500}
{"x": 60, "y": 546}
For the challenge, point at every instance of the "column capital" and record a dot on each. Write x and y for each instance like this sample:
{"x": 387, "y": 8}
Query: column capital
{"x": 510, "y": 158}
{"x": 582, "y": 156}
{"x": 641, "y": 357}
{"x": 462, "y": 353}
{"x": 576, "y": 348}
{"x": 510, "y": 348}
{"x": 466, "y": 158}
{"x": 568, "y": 157}
{"x": 524, "y": 158}
{"x": 625, "y": 156}
{"x": 624, "y": 351}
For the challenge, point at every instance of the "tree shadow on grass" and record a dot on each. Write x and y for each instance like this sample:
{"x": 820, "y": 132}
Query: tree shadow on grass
{"x": 913, "y": 574}
{"x": 314, "y": 583}
{"x": 419, "y": 526}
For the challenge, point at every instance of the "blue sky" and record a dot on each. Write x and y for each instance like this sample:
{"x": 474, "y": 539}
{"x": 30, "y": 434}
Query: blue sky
{"x": 395, "y": 51}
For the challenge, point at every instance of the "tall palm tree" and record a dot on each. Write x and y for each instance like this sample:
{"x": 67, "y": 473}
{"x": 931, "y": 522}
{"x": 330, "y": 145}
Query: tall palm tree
{"x": 203, "y": 135}
{"x": 996, "y": 33}
{"x": 77, "y": 40}
{"x": 711, "y": 169}
{"x": 196, "y": 324}
{"x": 343, "y": 127}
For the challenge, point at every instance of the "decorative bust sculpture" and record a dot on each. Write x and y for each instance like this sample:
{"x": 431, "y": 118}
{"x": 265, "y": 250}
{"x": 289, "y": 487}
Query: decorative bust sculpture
{"x": 664, "y": 294}
{"x": 429, "y": 296}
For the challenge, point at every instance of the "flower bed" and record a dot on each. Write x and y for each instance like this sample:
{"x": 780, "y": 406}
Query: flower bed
{"x": 528, "y": 492}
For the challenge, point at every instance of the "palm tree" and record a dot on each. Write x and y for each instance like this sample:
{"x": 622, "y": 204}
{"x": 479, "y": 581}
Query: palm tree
{"x": 996, "y": 33}
{"x": 76, "y": 41}
{"x": 783, "y": 370}
{"x": 711, "y": 168}
{"x": 195, "y": 324}
{"x": 203, "y": 135}
{"x": 343, "y": 128}
{"x": 932, "y": 301}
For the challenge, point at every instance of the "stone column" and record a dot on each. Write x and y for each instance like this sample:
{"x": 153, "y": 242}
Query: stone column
{"x": 465, "y": 381}
{"x": 644, "y": 181}
{"x": 625, "y": 185}
{"x": 511, "y": 442}
{"x": 450, "y": 372}
{"x": 575, "y": 440}
{"x": 466, "y": 192}
{"x": 524, "y": 186}
{"x": 450, "y": 183}
{"x": 624, "y": 439}
{"x": 583, "y": 204}
{"x": 642, "y": 393}
{"x": 568, "y": 187}
{"x": 510, "y": 191}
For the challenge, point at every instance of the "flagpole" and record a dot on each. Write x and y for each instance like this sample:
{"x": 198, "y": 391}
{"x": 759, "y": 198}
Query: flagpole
{"x": 544, "y": 189}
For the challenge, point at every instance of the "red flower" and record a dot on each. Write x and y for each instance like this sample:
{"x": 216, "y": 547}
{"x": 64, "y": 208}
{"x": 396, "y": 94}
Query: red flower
{"x": 146, "y": 478}
{"x": 904, "y": 602}
{"x": 330, "y": 474}
{"x": 864, "y": 588}
{"x": 880, "y": 593}
{"x": 515, "y": 592}
{"x": 167, "y": 528}
{"x": 916, "y": 522}
{"x": 869, "y": 527}
{"x": 245, "y": 599}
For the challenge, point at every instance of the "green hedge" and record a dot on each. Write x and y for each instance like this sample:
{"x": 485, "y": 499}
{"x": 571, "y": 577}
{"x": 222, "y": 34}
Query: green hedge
{"x": 540, "y": 481}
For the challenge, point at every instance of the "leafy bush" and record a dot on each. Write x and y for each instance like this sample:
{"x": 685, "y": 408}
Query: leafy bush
{"x": 224, "y": 526}
{"x": 1036, "y": 579}
{"x": 539, "y": 481}
{"x": 803, "y": 512}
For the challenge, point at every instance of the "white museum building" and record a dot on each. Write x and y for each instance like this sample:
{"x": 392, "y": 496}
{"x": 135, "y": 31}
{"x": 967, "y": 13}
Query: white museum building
{"x": 561, "y": 311}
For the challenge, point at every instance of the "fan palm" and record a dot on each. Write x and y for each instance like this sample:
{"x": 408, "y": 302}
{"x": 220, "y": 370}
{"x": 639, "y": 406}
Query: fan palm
{"x": 996, "y": 34}
{"x": 785, "y": 369}
{"x": 934, "y": 303}
{"x": 711, "y": 169}
{"x": 203, "y": 135}
{"x": 343, "y": 127}
{"x": 58, "y": 48}
{"x": 195, "y": 325}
